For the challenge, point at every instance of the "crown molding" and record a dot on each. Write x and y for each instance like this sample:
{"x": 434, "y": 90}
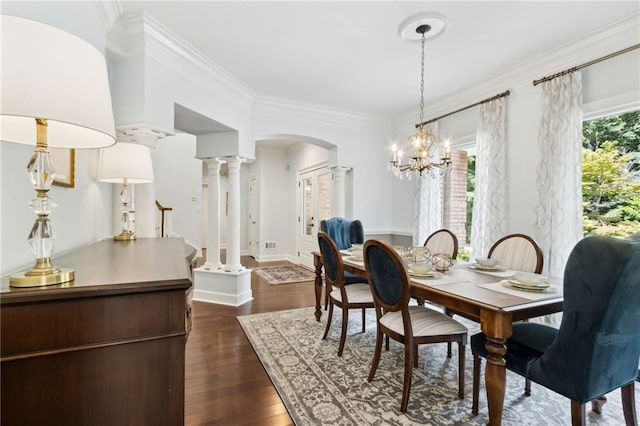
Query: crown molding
{"x": 611, "y": 38}
{"x": 138, "y": 33}
{"x": 109, "y": 11}
{"x": 279, "y": 107}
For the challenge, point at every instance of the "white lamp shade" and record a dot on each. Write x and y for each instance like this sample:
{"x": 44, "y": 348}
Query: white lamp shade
{"x": 51, "y": 74}
{"x": 125, "y": 160}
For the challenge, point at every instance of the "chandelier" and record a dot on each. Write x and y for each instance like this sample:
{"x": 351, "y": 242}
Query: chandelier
{"x": 423, "y": 143}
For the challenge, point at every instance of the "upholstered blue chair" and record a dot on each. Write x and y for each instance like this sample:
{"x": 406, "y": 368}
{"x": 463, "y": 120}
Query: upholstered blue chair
{"x": 597, "y": 346}
{"x": 409, "y": 325}
{"x": 344, "y": 232}
{"x": 355, "y": 296}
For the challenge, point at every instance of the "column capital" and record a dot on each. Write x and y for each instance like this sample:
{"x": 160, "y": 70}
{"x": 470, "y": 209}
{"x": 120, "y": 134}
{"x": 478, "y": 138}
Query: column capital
{"x": 233, "y": 163}
{"x": 141, "y": 134}
{"x": 213, "y": 165}
{"x": 340, "y": 171}
{"x": 235, "y": 159}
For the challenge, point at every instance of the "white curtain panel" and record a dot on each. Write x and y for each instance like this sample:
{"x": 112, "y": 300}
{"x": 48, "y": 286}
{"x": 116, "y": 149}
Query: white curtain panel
{"x": 428, "y": 198}
{"x": 489, "y": 205}
{"x": 558, "y": 223}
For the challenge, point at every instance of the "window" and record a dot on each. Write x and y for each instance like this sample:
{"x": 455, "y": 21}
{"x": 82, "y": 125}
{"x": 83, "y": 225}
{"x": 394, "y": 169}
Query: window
{"x": 611, "y": 175}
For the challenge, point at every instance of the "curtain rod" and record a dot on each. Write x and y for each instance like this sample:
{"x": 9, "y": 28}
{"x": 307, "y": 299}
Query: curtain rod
{"x": 484, "y": 101}
{"x": 579, "y": 67}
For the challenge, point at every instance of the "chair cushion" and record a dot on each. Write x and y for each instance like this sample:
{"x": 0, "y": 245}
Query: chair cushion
{"x": 424, "y": 322}
{"x": 356, "y": 293}
{"x": 537, "y": 337}
{"x": 527, "y": 343}
{"x": 350, "y": 278}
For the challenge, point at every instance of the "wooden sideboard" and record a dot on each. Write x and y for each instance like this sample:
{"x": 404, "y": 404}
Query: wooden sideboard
{"x": 105, "y": 349}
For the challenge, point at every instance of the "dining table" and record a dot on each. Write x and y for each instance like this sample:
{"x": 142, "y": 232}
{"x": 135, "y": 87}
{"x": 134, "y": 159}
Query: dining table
{"x": 481, "y": 295}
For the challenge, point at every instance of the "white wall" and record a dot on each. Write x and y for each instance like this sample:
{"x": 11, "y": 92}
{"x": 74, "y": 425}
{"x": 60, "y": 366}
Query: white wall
{"x": 84, "y": 212}
{"x": 178, "y": 182}
{"x": 357, "y": 141}
{"x": 276, "y": 201}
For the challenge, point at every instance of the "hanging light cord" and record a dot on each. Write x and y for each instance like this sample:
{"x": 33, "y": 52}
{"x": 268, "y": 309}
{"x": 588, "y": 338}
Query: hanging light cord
{"x": 422, "y": 81}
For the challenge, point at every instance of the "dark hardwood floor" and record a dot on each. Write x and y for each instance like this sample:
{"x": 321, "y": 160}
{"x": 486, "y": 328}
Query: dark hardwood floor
{"x": 225, "y": 381}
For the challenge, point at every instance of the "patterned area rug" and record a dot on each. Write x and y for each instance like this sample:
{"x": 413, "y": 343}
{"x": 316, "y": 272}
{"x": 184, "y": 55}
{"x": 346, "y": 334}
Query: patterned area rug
{"x": 284, "y": 274}
{"x": 317, "y": 387}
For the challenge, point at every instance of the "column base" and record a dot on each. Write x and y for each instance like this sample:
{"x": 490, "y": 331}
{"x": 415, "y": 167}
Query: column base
{"x": 224, "y": 288}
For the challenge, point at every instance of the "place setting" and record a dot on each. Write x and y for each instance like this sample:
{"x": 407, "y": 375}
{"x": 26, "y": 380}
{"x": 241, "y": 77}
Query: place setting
{"x": 486, "y": 264}
{"x": 422, "y": 270}
{"x": 491, "y": 267}
{"x": 528, "y": 281}
{"x": 354, "y": 253}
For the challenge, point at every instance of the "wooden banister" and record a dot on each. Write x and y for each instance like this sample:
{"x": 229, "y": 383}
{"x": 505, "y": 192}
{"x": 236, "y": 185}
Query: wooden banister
{"x": 162, "y": 210}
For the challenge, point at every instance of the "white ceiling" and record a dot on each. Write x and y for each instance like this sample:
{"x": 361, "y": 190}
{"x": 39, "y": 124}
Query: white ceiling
{"x": 349, "y": 55}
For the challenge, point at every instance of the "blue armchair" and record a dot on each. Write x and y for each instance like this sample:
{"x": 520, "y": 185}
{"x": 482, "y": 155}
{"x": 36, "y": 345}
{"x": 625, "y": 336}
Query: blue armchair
{"x": 597, "y": 346}
{"x": 344, "y": 232}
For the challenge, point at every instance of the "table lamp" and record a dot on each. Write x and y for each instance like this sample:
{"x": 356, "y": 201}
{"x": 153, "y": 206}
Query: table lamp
{"x": 54, "y": 92}
{"x": 125, "y": 163}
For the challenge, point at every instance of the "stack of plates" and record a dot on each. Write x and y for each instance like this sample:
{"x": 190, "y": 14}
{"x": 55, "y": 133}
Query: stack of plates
{"x": 429, "y": 274}
{"x": 538, "y": 285}
{"x": 479, "y": 267}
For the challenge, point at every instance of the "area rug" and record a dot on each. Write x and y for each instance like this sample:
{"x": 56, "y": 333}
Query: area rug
{"x": 318, "y": 387}
{"x": 284, "y": 274}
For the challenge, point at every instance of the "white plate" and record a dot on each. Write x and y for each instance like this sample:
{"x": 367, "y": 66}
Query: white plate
{"x": 479, "y": 267}
{"x": 549, "y": 289}
{"x": 429, "y": 274}
{"x": 542, "y": 284}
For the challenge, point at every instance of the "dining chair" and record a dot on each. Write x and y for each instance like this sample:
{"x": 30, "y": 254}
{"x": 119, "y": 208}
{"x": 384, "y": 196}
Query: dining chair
{"x": 597, "y": 346}
{"x": 442, "y": 241}
{"x": 344, "y": 232}
{"x": 355, "y": 296}
{"x": 410, "y": 325}
{"x": 519, "y": 252}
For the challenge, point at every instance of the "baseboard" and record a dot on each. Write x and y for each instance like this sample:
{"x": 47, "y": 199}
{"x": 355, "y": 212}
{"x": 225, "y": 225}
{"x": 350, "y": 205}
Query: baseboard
{"x": 272, "y": 257}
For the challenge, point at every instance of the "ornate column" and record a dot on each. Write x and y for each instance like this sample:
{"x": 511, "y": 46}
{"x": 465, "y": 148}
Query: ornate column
{"x": 233, "y": 236}
{"x": 338, "y": 206}
{"x": 213, "y": 216}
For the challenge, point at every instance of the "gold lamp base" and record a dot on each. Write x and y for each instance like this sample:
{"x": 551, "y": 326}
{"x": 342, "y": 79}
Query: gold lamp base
{"x": 125, "y": 236}
{"x": 26, "y": 279}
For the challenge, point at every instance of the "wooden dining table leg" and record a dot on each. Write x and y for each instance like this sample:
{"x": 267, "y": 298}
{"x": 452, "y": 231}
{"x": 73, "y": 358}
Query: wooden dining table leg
{"x": 497, "y": 328}
{"x": 317, "y": 262}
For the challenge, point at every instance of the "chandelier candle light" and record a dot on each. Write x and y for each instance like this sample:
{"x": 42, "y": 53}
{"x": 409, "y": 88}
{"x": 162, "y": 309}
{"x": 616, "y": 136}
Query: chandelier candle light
{"x": 423, "y": 143}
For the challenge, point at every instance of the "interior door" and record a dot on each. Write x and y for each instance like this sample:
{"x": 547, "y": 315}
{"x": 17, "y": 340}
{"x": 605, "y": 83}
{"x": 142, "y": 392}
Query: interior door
{"x": 314, "y": 204}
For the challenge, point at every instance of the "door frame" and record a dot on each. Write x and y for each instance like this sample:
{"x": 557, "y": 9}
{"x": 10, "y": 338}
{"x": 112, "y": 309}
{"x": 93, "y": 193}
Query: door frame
{"x": 305, "y": 244}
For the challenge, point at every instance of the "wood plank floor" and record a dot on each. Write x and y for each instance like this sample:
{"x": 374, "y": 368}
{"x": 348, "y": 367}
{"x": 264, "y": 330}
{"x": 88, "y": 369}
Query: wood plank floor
{"x": 225, "y": 382}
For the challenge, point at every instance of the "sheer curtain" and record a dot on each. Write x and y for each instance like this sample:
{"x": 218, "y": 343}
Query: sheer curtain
{"x": 428, "y": 198}
{"x": 489, "y": 205}
{"x": 558, "y": 223}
